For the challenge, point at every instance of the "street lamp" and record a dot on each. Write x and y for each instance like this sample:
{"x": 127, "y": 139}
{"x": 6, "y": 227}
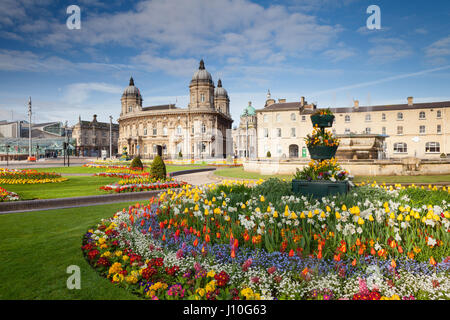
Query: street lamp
{"x": 110, "y": 137}
{"x": 7, "y": 155}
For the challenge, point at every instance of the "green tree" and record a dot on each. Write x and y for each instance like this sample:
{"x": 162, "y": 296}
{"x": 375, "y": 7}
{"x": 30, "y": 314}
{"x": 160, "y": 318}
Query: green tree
{"x": 136, "y": 163}
{"x": 158, "y": 168}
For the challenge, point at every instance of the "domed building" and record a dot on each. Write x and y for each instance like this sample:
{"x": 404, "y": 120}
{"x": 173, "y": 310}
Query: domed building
{"x": 200, "y": 131}
{"x": 245, "y": 136}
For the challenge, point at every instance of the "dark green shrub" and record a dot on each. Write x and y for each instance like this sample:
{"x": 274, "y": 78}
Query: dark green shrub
{"x": 180, "y": 155}
{"x": 136, "y": 163}
{"x": 158, "y": 168}
{"x": 268, "y": 155}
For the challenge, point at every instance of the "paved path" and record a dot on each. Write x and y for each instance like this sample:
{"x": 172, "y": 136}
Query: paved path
{"x": 197, "y": 179}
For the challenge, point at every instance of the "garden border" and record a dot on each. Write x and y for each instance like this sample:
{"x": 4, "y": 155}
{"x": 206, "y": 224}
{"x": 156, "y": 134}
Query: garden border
{"x": 60, "y": 203}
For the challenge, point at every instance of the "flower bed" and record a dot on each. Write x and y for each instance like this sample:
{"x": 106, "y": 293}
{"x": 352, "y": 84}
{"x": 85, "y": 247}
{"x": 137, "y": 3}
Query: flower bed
{"x": 240, "y": 241}
{"x": 6, "y": 195}
{"x": 26, "y": 176}
{"x": 141, "y": 184}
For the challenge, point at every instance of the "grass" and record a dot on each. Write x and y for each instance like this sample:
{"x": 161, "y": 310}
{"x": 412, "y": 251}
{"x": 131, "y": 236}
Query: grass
{"x": 241, "y": 174}
{"x": 75, "y": 186}
{"x": 92, "y": 170}
{"x": 38, "y": 247}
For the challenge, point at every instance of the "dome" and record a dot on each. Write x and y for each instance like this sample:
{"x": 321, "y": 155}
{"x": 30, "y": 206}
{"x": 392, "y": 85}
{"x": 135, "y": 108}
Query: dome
{"x": 201, "y": 74}
{"x": 131, "y": 90}
{"x": 249, "y": 111}
{"x": 220, "y": 91}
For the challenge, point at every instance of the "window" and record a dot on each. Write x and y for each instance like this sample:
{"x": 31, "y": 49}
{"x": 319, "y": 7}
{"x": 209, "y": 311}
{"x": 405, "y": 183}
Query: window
{"x": 439, "y": 129}
{"x": 422, "y": 129}
{"x": 178, "y": 129}
{"x": 439, "y": 114}
{"x": 368, "y": 130}
{"x": 203, "y": 128}
{"x": 303, "y": 118}
{"x": 155, "y": 149}
{"x": 292, "y": 116}
{"x": 278, "y": 117}
{"x": 400, "y": 147}
{"x": 432, "y": 147}
{"x": 192, "y": 129}
{"x": 265, "y": 118}
{"x": 368, "y": 117}
{"x": 164, "y": 131}
{"x": 383, "y": 117}
{"x": 383, "y": 131}
{"x": 155, "y": 131}
{"x": 399, "y": 130}
{"x": 278, "y": 132}
{"x": 266, "y": 133}
{"x": 422, "y": 115}
{"x": 145, "y": 131}
{"x": 202, "y": 97}
{"x": 399, "y": 116}
{"x": 203, "y": 147}
{"x": 293, "y": 135}
{"x": 347, "y": 131}
{"x": 130, "y": 108}
{"x": 347, "y": 118}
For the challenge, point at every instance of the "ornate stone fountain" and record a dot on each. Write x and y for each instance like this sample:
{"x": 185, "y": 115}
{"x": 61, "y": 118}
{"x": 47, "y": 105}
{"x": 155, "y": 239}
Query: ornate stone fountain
{"x": 311, "y": 181}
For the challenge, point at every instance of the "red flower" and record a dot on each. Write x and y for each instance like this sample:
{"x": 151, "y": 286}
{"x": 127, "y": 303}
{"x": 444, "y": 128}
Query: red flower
{"x": 93, "y": 253}
{"x": 222, "y": 278}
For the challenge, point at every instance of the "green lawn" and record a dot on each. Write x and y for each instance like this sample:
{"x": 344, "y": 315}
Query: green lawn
{"x": 241, "y": 174}
{"x": 76, "y": 186}
{"x": 80, "y": 169}
{"x": 38, "y": 247}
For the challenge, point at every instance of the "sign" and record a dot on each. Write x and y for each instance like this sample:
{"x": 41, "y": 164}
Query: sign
{"x": 303, "y": 152}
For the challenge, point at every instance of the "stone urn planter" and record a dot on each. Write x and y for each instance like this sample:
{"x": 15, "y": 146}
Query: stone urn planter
{"x": 322, "y": 121}
{"x": 318, "y": 189}
{"x": 322, "y": 152}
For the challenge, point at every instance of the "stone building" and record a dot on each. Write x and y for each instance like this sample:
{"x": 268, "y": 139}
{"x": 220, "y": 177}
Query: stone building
{"x": 244, "y": 136}
{"x": 418, "y": 130}
{"x": 202, "y": 130}
{"x": 91, "y": 137}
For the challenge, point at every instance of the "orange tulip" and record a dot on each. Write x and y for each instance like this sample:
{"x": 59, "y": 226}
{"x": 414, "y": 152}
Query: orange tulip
{"x": 291, "y": 253}
{"x": 233, "y": 254}
{"x": 305, "y": 271}
{"x": 218, "y": 235}
{"x": 163, "y": 237}
{"x": 319, "y": 255}
{"x": 337, "y": 257}
{"x": 195, "y": 242}
{"x": 207, "y": 238}
{"x": 354, "y": 262}
{"x": 432, "y": 261}
{"x": 393, "y": 264}
{"x": 372, "y": 251}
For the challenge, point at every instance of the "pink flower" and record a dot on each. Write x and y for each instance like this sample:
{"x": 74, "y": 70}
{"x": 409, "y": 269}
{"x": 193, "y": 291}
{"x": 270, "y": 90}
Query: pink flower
{"x": 363, "y": 286}
{"x": 272, "y": 270}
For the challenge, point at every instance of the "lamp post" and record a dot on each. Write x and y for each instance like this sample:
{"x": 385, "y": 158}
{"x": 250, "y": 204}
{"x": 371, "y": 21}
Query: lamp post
{"x": 7, "y": 155}
{"x": 110, "y": 137}
{"x": 29, "y": 128}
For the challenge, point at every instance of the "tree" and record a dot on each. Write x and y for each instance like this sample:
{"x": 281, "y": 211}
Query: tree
{"x": 158, "y": 168}
{"x": 268, "y": 155}
{"x": 136, "y": 163}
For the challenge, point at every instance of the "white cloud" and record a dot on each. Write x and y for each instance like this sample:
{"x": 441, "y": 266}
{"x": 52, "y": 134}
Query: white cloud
{"x": 79, "y": 93}
{"x": 440, "y": 48}
{"x": 386, "y": 50}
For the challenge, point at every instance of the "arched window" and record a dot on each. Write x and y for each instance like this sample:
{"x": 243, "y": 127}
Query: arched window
{"x": 432, "y": 147}
{"x": 347, "y": 118}
{"x": 293, "y": 151}
{"x": 383, "y": 117}
{"x": 400, "y": 147}
{"x": 399, "y": 116}
{"x": 422, "y": 115}
{"x": 203, "y": 128}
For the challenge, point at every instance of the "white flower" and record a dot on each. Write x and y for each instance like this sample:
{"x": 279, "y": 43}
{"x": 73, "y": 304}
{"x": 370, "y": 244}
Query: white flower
{"x": 431, "y": 242}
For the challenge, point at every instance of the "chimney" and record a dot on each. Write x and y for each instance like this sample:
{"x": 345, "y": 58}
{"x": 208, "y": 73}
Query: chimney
{"x": 302, "y": 101}
{"x": 410, "y": 101}
{"x": 356, "y": 104}
{"x": 281, "y": 100}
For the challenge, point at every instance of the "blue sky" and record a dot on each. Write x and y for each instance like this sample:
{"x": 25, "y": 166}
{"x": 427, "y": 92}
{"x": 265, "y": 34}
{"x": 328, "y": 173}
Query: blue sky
{"x": 319, "y": 49}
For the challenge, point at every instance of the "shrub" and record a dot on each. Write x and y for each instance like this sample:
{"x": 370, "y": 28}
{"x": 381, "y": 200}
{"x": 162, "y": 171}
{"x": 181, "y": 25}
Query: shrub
{"x": 443, "y": 156}
{"x": 268, "y": 155}
{"x": 137, "y": 163}
{"x": 180, "y": 155}
{"x": 158, "y": 168}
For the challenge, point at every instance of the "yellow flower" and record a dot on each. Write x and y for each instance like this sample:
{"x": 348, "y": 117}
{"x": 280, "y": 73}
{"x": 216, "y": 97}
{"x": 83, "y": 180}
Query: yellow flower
{"x": 370, "y": 218}
{"x": 125, "y": 258}
{"x": 200, "y": 291}
{"x": 262, "y": 199}
{"x": 344, "y": 208}
{"x": 360, "y": 221}
{"x": 211, "y": 274}
{"x": 106, "y": 254}
{"x": 118, "y": 253}
{"x": 206, "y": 212}
{"x": 338, "y": 215}
{"x": 275, "y": 214}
